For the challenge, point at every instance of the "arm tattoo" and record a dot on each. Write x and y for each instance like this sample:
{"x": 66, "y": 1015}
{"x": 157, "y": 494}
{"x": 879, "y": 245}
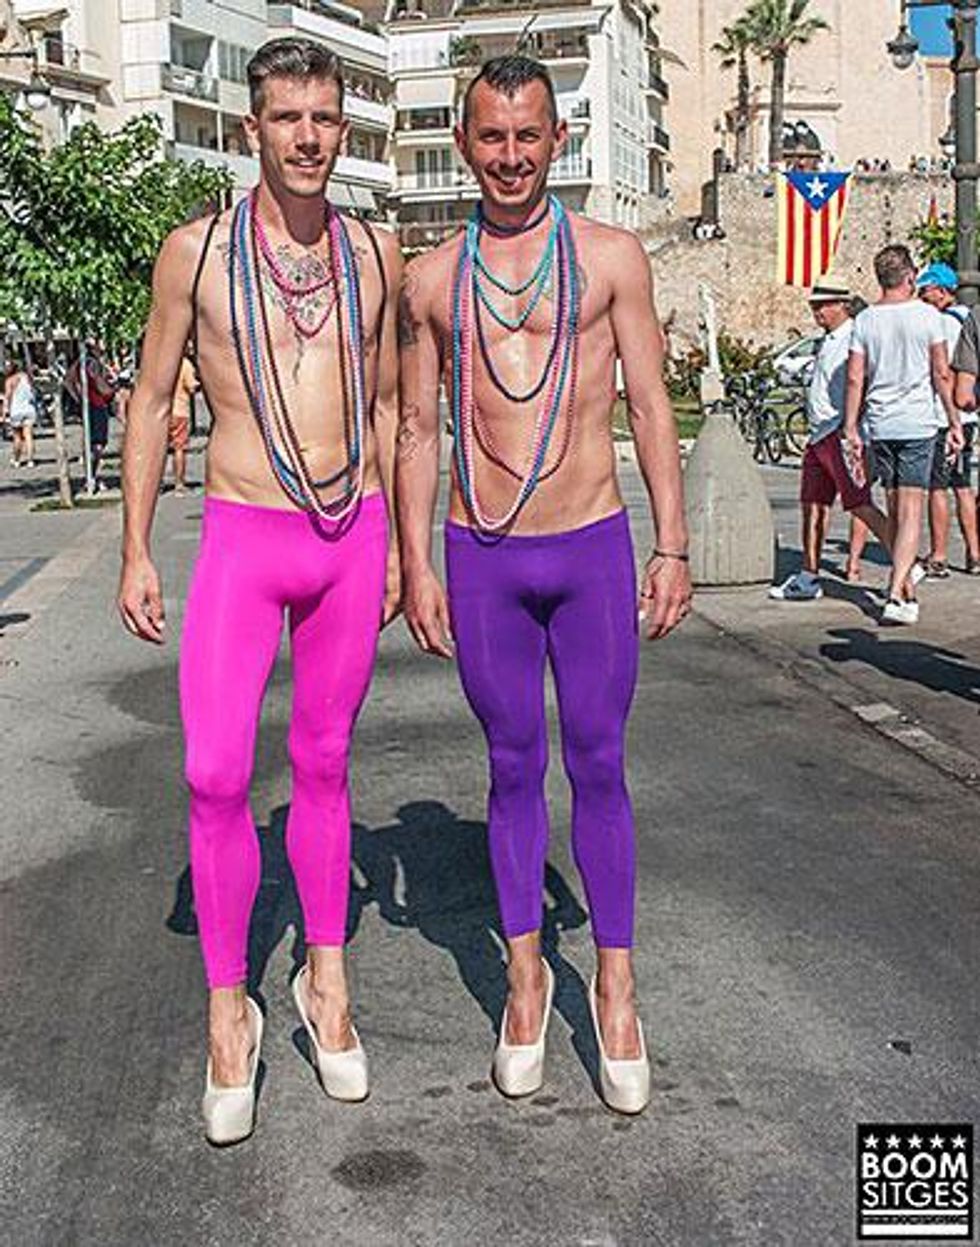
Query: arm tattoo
{"x": 406, "y": 441}
{"x": 408, "y": 321}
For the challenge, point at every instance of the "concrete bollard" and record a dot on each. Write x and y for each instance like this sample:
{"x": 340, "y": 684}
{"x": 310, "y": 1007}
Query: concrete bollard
{"x": 733, "y": 541}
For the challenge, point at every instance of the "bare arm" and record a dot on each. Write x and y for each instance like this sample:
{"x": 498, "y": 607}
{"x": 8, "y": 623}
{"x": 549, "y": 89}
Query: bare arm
{"x": 386, "y": 408}
{"x": 417, "y": 463}
{"x": 666, "y": 588}
{"x": 965, "y": 392}
{"x": 942, "y": 381}
{"x": 145, "y": 449}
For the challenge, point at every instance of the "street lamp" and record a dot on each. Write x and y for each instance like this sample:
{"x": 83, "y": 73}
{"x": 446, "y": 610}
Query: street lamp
{"x": 37, "y": 93}
{"x": 903, "y": 49}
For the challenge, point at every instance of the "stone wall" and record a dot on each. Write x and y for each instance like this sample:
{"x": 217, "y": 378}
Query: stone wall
{"x": 741, "y": 268}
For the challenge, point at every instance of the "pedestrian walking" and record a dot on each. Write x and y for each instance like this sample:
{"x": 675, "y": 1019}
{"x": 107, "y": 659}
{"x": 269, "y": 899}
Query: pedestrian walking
{"x": 898, "y": 364}
{"x": 20, "y": 413}
{"x": 290, "y": 314}
{"x": 101, "y": 392}
{"x": 937, "y": 285}
{"x": 825, "y": 472}
{"x": 539, "y": 559}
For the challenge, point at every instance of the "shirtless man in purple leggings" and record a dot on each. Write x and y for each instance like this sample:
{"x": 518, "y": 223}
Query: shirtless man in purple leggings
{"x": 523, "y": 319}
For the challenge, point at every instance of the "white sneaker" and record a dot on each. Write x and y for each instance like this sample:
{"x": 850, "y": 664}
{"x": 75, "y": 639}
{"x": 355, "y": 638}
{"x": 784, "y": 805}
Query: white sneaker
{"x": 900, "y": 612}
{"x": 796, "y": 589}
{"x": 918, "y": 573}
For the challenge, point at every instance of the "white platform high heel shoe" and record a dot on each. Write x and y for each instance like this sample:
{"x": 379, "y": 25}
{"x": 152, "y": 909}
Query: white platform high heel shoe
{"x": 229, "y": 1112}
{"x": 518, "y": 1069}
{"x": 625, "y": 1084}
{"x": 343, "y": 1075}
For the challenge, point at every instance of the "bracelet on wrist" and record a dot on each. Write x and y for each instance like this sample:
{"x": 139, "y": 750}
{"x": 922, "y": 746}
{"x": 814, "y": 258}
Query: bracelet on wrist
{"x": 681, "y": 556}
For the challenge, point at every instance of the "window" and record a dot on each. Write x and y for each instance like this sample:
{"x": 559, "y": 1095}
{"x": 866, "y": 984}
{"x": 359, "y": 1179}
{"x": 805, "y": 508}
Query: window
{"x": 232, "y": 62}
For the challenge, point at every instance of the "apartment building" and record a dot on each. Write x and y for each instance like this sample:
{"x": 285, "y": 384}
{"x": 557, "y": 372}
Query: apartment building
{"x": 185, "y": 61}
{"x": 604, "y": 59}
{"x": 75, "y": 83}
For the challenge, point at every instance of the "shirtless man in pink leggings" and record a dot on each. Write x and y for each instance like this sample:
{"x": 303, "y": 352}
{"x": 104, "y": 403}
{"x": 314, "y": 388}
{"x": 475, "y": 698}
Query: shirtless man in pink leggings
{"x": 290, "y": 315}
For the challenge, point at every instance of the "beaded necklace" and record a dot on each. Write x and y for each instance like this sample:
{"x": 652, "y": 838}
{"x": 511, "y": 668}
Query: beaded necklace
{"x": 260, "y": 376}
{"x": 560, "y": 375}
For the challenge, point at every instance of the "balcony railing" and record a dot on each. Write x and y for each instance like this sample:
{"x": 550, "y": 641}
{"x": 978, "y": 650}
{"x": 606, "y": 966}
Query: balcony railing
{"x": 575, "y": 110}
{"x": 432, "y": 179}
{"x": 191, "y": 82}
{"x": 659, "y": 136}
{"x": 576, "y": 170}
{"x": 658, "y": 85}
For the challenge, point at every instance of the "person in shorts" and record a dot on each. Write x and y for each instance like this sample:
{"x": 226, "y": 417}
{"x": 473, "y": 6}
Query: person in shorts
{"x": 898, "y": 364}
{"x": 825, "y": 474}
{"x": 180, "y": 422}
{"x": 937, "y": 285}
{"x": 20, "y": 413}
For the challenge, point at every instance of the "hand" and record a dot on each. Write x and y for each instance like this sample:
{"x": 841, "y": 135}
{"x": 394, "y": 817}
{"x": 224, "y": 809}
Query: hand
{"x": 665, "y": 596}
{"x": 427, "y": 613}
{"x": 140, "y": 600}
{"x": 854, "y": 454}
{"x": 955, "y": 442}
{"x": 393, "y": 588}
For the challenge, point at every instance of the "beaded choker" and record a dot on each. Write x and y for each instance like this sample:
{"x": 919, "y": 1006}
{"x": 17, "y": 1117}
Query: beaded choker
{"x": 260, "y": 374}
{"x": 557, "y": 270}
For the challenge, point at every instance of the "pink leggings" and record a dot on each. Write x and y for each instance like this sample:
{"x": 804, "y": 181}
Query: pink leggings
{"x": 255, "y": 563}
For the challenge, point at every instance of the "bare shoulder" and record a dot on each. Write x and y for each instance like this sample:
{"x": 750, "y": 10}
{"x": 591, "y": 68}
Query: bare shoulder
{"x": 181, "y": 251}
{"x": 610, "y": 244}
{"x": 430, "y": 273}
{"x": 388, "y": 244}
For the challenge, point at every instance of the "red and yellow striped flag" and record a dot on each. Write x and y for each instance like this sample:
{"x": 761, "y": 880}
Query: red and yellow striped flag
{"x": 811, "y": 217}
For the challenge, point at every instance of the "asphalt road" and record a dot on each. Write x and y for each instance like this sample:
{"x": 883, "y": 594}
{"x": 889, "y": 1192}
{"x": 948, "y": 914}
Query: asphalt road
{"x": 807, "y": 937}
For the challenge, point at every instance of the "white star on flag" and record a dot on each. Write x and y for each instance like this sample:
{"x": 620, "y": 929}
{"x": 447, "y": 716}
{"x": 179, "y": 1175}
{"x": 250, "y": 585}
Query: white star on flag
{"x": 915, "y": 1142}
{"x": 871, "y": 1141}
{"x": 817, "y": 188}
{"x": 893, "y": 1142}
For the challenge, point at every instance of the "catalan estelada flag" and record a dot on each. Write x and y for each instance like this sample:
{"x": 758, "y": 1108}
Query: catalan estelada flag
{"x": 811, "y": 217}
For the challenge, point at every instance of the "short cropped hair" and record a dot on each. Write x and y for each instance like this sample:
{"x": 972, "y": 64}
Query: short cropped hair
{"x": 296, "y": 58}
{"x": 893, "y": 265}
{"x": 507, "y": 74}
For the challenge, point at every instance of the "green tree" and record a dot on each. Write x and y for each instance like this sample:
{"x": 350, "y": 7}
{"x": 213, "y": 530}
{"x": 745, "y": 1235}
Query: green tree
{"x": 733, "y": 51}
{"x": 80, "y": 227}
{"x": 777, "y": 27}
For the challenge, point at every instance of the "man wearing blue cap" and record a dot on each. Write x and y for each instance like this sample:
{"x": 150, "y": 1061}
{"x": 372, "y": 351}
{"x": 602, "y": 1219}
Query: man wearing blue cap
{"x": 937, "y": 285}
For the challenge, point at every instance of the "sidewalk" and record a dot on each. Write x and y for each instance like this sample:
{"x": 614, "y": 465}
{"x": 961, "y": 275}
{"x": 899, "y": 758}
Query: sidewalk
{"x": 920, "y": 685}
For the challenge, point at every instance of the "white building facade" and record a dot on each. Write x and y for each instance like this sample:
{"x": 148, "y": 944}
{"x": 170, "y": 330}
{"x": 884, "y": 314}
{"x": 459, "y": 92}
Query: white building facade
{"x": 185, "y": 61}
{"x": 603, "y": 58}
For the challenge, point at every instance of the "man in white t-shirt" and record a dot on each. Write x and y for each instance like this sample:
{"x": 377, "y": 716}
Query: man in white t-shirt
{"x": 825, "y": 473}
{"x": 937, "y": 285}
{"x": 898, "y": 364}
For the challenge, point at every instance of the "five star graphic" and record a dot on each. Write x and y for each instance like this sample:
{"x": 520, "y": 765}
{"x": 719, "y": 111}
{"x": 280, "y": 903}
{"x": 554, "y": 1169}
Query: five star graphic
{"x": 958, "y": 1141}
{"x": 893, "y": 1142}
{"x": 915, "y": 1141}
{"x": 871, "y": 1141}
{"x": 936, "y": 1142}
{"x": 816, "y": 188}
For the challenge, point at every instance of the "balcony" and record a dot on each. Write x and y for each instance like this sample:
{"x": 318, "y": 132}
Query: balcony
{"x": 570, "y": 172}
{"x": 367, "y": 112}
{"x": 373, "y": 173}
{"x": 575, "y": 109}
{"x": 244, "y": 169}
{"x": 658, "y": 137}
{"x": 189, "y": 82}
{"x": 655, "y": 85}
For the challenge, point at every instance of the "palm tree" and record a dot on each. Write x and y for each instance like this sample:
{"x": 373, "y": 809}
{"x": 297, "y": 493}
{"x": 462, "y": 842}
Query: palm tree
{"x": 776, "y": 27}
{"x": 733, "y": 49}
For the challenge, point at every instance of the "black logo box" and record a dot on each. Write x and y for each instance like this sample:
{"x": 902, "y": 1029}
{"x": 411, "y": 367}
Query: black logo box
{"x": 914, "y": 1180}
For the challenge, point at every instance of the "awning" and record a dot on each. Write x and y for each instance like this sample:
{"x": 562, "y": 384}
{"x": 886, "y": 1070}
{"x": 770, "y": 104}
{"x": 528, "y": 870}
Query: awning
{"x": 426, "y": 92}
{"x": 349, "y": 195}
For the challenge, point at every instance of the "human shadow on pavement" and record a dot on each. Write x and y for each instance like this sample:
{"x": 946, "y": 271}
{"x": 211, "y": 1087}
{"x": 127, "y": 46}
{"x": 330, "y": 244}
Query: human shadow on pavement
{"x": 918, "y": 662}
{"x": 854, "y": 594}
{"x": 430, "y": 871}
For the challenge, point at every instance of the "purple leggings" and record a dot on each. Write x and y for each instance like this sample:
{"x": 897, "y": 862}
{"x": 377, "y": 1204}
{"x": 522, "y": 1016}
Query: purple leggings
{"x": 569, "y": 597}
{"x": 255, "y": 565}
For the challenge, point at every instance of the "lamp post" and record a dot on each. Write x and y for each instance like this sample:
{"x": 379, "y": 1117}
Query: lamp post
{"x": 903, "y": 49}
{"x": 37, "y": 93}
